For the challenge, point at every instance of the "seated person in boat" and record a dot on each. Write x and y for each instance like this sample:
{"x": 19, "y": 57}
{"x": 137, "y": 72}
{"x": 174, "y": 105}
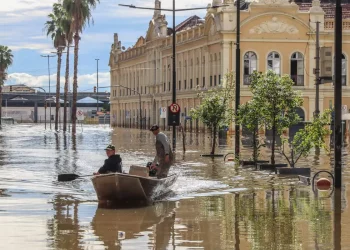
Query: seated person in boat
{"x": 113, "y": 164}
{"x": 164, "y": 155}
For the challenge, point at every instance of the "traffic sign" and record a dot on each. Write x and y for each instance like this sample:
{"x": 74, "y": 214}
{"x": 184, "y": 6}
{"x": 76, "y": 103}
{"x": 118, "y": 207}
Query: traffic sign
{"x": 344, "y": 109}
{"x": 174, "y": 108}
{"x": 80, "y": 115}
{"x": 163, "y": 112}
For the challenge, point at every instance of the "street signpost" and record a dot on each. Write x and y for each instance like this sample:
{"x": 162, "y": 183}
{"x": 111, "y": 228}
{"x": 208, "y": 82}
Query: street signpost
{"x": 163, "y": 112}
{"x": 174, "y": 115}
{"x": 80, "y": 115}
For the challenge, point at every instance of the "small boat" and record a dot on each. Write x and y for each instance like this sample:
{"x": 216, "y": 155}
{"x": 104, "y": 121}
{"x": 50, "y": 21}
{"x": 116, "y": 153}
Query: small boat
{"x": 137, "y": 186}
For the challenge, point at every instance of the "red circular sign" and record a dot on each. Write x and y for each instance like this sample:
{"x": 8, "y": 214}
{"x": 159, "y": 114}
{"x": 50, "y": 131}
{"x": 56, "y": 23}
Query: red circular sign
{"x": 174, "y": 108}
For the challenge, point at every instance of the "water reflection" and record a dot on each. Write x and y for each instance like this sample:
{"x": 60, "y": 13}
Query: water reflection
{"x": 213, "y": 205}
{"x": 64, "y": 228}
{"x": 109, "y": 228}
{"x": 275, "y": 219}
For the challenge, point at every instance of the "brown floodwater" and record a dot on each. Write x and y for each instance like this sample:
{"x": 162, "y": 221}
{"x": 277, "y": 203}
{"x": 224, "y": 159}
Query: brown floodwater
{"x": 213, "y": 205}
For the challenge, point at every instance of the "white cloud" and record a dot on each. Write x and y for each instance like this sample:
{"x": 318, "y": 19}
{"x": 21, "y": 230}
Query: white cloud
{"x": 20, "y": 5}
{"x": 41, "y": 47}
{"x": 85, "y": 82}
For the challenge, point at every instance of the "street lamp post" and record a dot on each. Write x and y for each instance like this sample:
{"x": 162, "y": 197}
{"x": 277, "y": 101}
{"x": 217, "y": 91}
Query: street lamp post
{"x": 238, "y": 76}
{"x": 121, "y": 86}
{"x": 173, "y": 10}
{"x": 338, "y": 95}
{"x": 48, "y": 67}
{"x": 97, "y": 87}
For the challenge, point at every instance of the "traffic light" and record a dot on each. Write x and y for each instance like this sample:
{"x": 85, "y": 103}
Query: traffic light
{"x": 10, "y": 88}
{"x": 94, "y": 89}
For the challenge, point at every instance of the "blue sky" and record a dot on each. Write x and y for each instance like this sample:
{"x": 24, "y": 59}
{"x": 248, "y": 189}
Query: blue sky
{"x": 22, "y": 23}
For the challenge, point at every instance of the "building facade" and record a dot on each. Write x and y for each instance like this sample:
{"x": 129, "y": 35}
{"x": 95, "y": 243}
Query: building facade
{"x": 275, "y": 34}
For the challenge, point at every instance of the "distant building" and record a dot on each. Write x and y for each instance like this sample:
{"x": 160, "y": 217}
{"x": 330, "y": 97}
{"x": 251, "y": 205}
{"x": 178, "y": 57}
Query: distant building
{"x": 29, "y": 106}
{"x": 276, "y": 35}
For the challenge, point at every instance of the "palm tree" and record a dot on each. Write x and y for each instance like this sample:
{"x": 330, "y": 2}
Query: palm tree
{"x": 6, "y": 60}
{"x": 80, "y": 12}
{"x": 54, "y": 27}
{"x": 68, "y": 33}
{"x": 69, "y": 38}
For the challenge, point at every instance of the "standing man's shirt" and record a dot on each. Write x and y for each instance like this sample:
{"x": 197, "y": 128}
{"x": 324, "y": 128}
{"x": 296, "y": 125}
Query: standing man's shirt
{"x": 112, "y": 164}
{"x": 162, "y": 147}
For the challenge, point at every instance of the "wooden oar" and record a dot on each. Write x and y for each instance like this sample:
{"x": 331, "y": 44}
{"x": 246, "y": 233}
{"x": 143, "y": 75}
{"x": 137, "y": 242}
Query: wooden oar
{"x": 70, "y": 177}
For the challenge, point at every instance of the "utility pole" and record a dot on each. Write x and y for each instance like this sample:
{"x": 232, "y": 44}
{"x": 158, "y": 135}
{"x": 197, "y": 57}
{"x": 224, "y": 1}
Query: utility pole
{"x": 338, "y": 137}
{"x": 238, "y": 77}
{"x": 48, "y": 68}
{"x": 317, "y": 71}
{"x": 97, "y": 87}
{"x": 174, "y": 72}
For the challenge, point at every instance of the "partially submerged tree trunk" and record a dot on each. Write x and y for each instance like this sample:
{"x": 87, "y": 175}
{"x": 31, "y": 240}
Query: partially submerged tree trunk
{"x": 58, "y": 104}
{"x": 75, "y": 82}
{"x": 183, "y": 140}
{"x": 214, "y": 140}
{"x": 273, "y": 142}
{"x": 66, "y": 91}
{"x": 255, "y": 146}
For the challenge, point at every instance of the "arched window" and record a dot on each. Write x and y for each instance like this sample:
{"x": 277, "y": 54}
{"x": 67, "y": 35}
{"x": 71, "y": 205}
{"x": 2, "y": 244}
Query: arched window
{"x": 250, "y": 65}
{"x": 203, "y": 70}
{"x": 179, "y": 73}
{"x": 274, "y": 62}
{"x": 185, "y": 75}
{"x": 169, "y": 74}
{"x": 297, "y": 68}
{"x": 215, "y": 68}
{"x": 219, "y": 69}
{"x": 191, "y": 73}
{"x": 343, "y": 69}
{"x": 211, "y": 71}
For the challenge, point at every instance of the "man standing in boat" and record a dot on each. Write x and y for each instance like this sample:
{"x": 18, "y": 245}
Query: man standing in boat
{"x": 164, "y": 154}
{"x": 113, "y": 164}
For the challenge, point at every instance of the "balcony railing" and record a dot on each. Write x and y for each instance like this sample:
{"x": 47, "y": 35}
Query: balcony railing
{"x": 329, "y": 24}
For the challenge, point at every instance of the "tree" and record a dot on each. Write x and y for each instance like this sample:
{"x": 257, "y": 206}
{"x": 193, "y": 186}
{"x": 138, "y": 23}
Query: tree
{"x": 55, "y": 28}
{"x": 215, "y": 110}
{"x": 249, "y": 116}
{"x": 312, "y": 136}
{"x": 277, "y": 100}
{"x": 80, "y": 13}
{"x": 6, "y": 60}
{"x": 68, "y": 34}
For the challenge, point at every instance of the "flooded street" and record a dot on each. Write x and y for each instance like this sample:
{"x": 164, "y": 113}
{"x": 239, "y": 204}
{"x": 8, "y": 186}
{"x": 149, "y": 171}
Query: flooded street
{"x": 213, "y": 205}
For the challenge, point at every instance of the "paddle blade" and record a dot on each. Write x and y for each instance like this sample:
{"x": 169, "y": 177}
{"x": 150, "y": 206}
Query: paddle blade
{"x": 67, "y": 177}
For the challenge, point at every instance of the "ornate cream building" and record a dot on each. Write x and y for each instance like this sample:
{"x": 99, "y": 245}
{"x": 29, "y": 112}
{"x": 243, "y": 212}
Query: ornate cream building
{"x": 275, "y": 34}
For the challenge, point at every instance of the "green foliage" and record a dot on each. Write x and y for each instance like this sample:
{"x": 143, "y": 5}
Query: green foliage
{"x": 312, "y": 136}
{"x": 249, "y": 116}
{"x": 56, "y": 26}
{"x": 6, "y": 60}
{"x": 276, "y": 99}
{"x": 80, "y": 11}
{"x": 277, "y": 102}
{"x": 106, "y": 106}
{"x": 215, "y": 110}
